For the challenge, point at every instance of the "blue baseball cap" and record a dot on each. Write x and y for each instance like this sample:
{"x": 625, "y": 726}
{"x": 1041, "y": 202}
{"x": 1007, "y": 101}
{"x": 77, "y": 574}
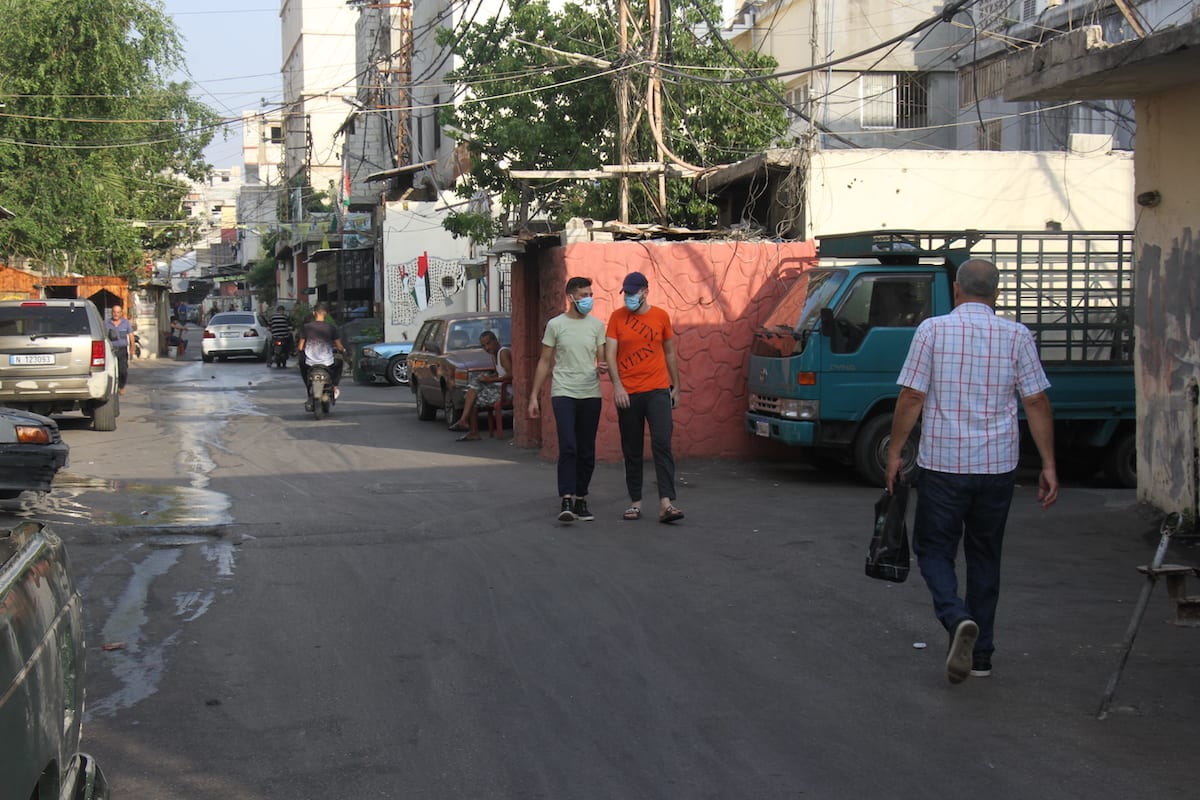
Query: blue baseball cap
{"x": 634, "y": 283}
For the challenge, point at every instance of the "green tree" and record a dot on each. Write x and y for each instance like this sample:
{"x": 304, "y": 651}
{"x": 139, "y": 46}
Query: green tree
{"x": 94, "y": 139}
{"x": 527, "y": 107}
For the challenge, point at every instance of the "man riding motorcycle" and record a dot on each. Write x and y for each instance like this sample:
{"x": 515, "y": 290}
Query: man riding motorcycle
{"x": 281, "y": 330}
{"x": 318, "y": 341}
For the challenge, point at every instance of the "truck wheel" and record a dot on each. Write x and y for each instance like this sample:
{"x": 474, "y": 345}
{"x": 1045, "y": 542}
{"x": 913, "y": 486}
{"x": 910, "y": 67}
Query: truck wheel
{"x": 425, "y": 412}
{"x": 871, "y": 446}
{"x": 104, "y": 415}
{"x": 1120, "y": 462}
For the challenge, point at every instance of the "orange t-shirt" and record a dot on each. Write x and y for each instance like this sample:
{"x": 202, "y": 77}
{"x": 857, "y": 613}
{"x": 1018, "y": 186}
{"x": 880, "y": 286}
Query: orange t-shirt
{"x": 641, "y": 360}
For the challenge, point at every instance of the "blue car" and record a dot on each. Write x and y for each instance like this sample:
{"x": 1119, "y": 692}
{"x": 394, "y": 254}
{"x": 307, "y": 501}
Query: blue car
{"x": 385, "y": 361}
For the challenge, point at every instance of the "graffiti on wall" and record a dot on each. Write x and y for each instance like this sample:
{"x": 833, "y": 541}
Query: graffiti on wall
{"x": 413, "y": 286}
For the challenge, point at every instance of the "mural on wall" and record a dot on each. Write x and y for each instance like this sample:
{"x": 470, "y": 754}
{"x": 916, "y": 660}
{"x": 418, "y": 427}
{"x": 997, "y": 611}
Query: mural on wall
{"x": 411, "y": 287}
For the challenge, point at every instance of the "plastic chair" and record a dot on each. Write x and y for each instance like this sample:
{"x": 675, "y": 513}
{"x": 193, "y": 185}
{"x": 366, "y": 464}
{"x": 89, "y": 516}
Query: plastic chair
{"x": 496, "y": 416}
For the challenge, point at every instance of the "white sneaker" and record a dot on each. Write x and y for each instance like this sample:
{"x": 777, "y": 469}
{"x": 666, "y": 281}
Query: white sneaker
{"x": 336, "y": 393}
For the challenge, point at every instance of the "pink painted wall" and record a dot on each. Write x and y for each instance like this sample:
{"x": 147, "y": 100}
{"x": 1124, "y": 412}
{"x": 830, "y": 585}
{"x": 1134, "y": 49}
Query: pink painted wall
{"x": 717, "y": 294}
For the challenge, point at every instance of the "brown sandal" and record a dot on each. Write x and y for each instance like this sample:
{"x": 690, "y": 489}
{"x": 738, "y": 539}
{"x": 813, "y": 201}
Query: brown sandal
{"x": 670, "y": 514}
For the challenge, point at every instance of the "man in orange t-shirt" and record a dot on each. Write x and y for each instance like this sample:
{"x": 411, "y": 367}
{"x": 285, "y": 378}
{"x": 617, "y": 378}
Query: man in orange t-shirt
{"x": 640, "y": 350}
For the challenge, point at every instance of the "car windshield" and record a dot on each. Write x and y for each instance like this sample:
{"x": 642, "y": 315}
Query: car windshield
{"x": 232, "y": 319}
{"x": 43, "y": 320}
{"x": 464, "y": 334}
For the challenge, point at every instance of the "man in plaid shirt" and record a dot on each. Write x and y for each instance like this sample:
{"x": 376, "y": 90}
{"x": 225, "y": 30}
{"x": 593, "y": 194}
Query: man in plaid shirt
{"x": 967, "y": 371}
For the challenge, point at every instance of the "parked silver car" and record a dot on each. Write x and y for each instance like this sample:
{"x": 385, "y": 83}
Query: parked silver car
{"x": 55, "y": 357}
{"x": 235, "y": 333}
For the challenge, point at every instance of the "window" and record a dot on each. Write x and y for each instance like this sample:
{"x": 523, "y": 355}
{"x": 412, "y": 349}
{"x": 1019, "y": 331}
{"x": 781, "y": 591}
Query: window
{"x": 276, "y": 134}
{"x": 980, "y": 81}
{"x": 880, "y": 302}
{"x": 878, "y": 93}
{"x": 797, "y": 102}
{"x": 989, "y": 137}
{"x": 894, "y": 99}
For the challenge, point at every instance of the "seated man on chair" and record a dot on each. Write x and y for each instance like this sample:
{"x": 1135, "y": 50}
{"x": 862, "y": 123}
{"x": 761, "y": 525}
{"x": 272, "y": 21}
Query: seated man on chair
{"x": 484, "y": 390}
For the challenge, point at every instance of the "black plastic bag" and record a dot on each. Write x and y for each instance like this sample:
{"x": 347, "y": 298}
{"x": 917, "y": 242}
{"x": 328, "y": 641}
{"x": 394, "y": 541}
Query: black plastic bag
{"x": 887, "y": 556}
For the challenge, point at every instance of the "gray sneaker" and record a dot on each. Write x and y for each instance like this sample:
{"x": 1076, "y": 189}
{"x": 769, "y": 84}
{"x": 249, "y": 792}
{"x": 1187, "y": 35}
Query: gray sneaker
{"x": 962, "y": 649}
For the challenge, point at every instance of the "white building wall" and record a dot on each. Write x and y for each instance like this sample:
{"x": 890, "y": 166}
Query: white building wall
{"x": 412, "y": 229}
{"x": 856, "y": 190}
{"x": 318, "y": 72}
{"x": 262, "y": 148}
{"x": 430, "y": 64}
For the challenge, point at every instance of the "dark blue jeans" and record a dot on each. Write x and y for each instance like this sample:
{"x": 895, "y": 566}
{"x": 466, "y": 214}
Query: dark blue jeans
{"x": 654, "y": 409}
{"x": 973, "y": 508}
{"x": 122, "y": 356}
{"x": 577, "y": 419}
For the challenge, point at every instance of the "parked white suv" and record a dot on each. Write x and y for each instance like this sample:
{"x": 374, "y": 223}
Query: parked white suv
{"x": 55, "y": 357}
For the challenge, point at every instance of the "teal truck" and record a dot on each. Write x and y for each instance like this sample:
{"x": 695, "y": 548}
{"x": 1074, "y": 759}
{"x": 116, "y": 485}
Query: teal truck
{"x": 823, "y": 368}
{"x": 41, "y": 673}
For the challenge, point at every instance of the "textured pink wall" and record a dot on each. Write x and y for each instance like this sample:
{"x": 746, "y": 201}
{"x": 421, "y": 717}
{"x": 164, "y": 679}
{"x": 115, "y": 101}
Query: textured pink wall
{"x": 717, "y": 294}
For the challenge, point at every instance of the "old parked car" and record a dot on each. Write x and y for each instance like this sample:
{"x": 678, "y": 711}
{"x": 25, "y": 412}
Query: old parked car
{"x": 235, "y": 333}
{"x": 445, "y": 354}
{"x": 385, "y": 361}
{"x": 56, "y": 357}
{"x": 31, "y": 452}
{"x": 42, "y": 655}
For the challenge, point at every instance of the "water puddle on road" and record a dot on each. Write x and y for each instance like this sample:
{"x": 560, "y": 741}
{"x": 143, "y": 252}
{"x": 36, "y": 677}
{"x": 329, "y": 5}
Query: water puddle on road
{"x": 164, "y": 522}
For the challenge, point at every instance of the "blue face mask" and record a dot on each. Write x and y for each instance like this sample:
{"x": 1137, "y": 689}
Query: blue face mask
{"x": 584, "y": 305}
{"x": 633, "y": 301}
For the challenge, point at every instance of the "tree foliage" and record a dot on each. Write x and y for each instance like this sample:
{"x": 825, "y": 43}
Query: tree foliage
{"x": 525, "y": 107}
{"x": 94, "y": 137}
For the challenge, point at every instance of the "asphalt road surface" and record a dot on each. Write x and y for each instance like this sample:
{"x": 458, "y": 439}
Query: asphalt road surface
{"x": 363, "y": 607}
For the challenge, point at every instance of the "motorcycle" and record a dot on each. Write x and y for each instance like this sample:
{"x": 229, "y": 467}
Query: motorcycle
{"x": 320, "y": 389}
{"x": 281, "y": 350}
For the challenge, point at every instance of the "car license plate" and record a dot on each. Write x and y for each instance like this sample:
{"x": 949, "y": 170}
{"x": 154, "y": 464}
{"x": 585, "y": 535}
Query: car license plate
{"x": 31, "y": 359}
{"x": 762, "y": 428}
{"x": 230, "y": 335}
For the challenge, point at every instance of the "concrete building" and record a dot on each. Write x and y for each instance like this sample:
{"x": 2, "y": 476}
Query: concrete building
{"x": 1160, "y": 72}
{"x": 901, "y": 96}
{"x": 318, "y": 78}
{"x": 258, "y": 200}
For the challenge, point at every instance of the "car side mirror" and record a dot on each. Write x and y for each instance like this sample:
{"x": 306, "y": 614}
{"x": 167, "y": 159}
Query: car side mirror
{"x": 827, "y": 326}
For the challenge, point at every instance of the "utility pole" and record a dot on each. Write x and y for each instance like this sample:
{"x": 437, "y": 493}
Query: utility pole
{"x": 623, "y": 135}
{"x": 655, "y": 92}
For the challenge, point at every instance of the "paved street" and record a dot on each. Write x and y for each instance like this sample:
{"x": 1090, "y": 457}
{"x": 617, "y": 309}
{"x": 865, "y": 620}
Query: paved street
{"x": 362, "y": 607}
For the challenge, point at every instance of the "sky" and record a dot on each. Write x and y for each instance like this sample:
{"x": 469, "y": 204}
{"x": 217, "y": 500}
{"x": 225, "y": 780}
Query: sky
{"x": 233, "y": 59}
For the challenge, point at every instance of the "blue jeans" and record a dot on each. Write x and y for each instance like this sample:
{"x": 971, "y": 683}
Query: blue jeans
{"x": 577, "y": 419}
{"x": 651, "y": 408}
{"x": 973, "y": 508}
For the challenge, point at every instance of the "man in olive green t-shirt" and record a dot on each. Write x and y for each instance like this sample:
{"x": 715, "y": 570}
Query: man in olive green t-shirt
{"x": 574, "y": 344}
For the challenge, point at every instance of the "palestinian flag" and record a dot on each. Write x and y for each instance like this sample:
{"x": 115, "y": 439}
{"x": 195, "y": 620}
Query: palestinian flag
{"x": 420, "y": 282}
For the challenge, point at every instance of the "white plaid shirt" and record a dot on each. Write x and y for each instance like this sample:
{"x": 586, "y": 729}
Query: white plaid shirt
{"x": 973, "y": 367}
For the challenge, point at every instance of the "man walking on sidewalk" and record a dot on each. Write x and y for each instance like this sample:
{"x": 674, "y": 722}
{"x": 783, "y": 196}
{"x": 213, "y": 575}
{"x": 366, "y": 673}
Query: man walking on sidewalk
{"x": 965, "y": 371}
{"x": 640, "y": 347}
{"x": 574, "y": 344}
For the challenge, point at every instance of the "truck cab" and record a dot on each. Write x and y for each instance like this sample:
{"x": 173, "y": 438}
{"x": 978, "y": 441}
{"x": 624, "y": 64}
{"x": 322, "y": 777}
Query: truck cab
{"x": 41, "y": 672}
{"x": 823, "y": 368}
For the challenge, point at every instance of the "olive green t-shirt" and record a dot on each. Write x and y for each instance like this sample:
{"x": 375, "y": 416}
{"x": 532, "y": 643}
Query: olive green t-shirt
{"x": 578, "y": 344}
